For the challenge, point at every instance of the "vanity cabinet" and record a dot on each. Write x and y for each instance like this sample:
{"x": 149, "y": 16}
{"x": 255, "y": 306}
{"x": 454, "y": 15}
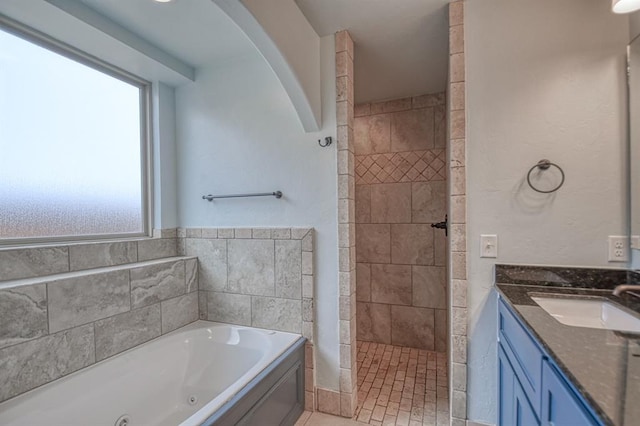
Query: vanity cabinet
{"x": 532, "y": 390}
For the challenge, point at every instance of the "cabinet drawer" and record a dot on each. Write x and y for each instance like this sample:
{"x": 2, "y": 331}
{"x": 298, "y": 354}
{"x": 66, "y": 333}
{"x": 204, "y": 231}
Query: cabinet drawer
{"x": 525, "y": 355}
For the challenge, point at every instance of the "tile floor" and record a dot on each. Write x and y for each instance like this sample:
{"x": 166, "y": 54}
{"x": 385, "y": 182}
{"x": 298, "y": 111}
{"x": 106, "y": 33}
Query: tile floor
{"x": 401, "y": 386}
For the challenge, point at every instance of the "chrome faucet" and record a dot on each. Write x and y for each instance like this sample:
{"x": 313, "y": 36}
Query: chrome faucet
{"x": 626, "y": 287}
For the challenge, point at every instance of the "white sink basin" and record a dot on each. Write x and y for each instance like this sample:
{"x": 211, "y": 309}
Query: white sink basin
{"x": 590, "y": 313}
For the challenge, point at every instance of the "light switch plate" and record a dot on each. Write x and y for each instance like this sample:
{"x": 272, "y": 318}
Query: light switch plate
{"x": 489, "y": 246}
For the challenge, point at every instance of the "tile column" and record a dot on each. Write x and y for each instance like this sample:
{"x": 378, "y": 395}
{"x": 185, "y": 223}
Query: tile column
{"x": 457, "y": 217}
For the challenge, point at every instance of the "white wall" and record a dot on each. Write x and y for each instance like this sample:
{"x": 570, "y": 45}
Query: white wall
{"x": 545, "y": 79}
{"x": 238, "y": 132}
{"x": 164, "y": 157}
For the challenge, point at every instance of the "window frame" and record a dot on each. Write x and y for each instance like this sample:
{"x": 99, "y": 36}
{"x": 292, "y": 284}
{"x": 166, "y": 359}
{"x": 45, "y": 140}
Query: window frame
{"x": 45, "y": 41}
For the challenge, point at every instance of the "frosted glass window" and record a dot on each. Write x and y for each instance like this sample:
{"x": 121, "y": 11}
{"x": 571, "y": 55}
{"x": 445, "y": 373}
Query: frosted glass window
{"x": 71, "y": 147}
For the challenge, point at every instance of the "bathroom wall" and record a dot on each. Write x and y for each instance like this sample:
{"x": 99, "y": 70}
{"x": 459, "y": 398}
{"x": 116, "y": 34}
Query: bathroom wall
{"x": 545, "y": 79}
{"x": 238, "y": 132}
{"x": 66, "y": 307}
{"x": 400, "y": 169}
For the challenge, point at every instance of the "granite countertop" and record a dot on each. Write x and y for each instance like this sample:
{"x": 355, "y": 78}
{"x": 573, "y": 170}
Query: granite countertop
{"x": 603, "y": 365}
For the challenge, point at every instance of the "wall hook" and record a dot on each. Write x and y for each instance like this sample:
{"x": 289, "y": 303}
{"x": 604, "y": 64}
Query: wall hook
{"x": 327, "y": 141}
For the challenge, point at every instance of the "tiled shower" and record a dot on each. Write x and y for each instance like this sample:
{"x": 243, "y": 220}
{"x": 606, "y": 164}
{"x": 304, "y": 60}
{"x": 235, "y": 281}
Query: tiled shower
{"x": 400, "y": 191}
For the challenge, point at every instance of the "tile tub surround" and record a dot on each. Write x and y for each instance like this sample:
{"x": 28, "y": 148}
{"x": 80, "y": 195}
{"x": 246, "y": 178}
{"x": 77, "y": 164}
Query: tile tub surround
{"x": 28, "y": 262}
{"x": 57, "y": 324}
{"x": 259, "y": 277}
{"x": 400, "y": 166}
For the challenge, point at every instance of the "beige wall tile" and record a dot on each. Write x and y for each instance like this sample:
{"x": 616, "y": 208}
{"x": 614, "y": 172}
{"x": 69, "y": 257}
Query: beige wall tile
{"x": 457, "y": 96}
{"x": 458, "y": 237}
{"x": 456, "y": 13}
{"x": 440, "y": 126}
{"x": 430, "y": 286}
{"x": 439, "y": 247}
{"x": 328, "y": 401}
{"x": 459, "y": 376}
{"x": 457, "y": 125}
{"x": 456, "y": 68}
{"x": 412, "y": 244}
{"x": 363, "y": 203}
{"x": 396, "y": 105}
{"x": 413, "y": 327}
{"x": 363, "y": 282}
{"x": 459, "y": 349}
{"x": 391, "y": 284}
{"x": 429, "y": 100}
{"x": 459, "y": 293}
{"x": 374, "y": 322}
{"x": 372, "y": 134}
{"x": 457, "y": 154}
{"x": 412, "y": 130}
{"x": 428, "y": 201}
{"x": 344, "y": 43}
{"x": 459, "y": 321}
{"x": 441, "y": 330}
{"x": 361, "y": 110}
{"x": 456, "y": 39}
{"x": 373, "y": 243}
{"x": 458, "y": 209}
{"x": 458, "y": 181}
{"x": 459, "y": 266}
{"x": 391, "y": 203}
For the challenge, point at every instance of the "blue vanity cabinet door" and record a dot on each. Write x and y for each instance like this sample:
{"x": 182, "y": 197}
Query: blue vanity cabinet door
{"x": 506, "y": 377}
{"x": 513, "y": 406}
{"x": 560, "y": 405}
{"x": 523, "y": 352}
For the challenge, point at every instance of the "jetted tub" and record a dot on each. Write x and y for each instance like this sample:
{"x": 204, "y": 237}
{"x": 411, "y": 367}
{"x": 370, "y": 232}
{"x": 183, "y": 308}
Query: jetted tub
{"x": 204, "y": 373}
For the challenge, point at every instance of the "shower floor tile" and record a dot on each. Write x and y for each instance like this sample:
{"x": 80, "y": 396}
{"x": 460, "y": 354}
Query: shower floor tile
{"x": 401, "y": 386}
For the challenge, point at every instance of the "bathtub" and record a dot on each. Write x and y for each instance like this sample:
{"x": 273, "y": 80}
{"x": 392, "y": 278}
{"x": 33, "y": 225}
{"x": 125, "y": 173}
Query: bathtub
{"x": 199, "y": 374}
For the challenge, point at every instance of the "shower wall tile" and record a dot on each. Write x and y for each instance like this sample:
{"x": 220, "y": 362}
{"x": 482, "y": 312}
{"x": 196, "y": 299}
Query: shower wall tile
{"x": 84, "y": 299}
{"x": 428, "y": 201}
{"x": 374, "y": 322}
{"x": 229, "y": 307}
{"x": 23, "y": 311}
{"x": 157, "y": 248}
{"x": 412, "y": 244}
{"x": 179, "y": 311}
{"x": 276, "y": 314}
{"x": 96, "y": 255}
{"x": 31, "y": 364}
{"x": 124, "y": 331}
{"x": 372, "y": 134}
{"x": 251, "y": 267}
{"x": 391, "y": 284}
{"x": 33, "y": 262}
{"x": 363, "y": 282}
{"x": 412, "y": 130}
{"x": 411, "y": 326}
{"x": 430, "y": 286}
{"x": 390, "y": 203}
{"x": 401, "y": 189}
{"x": 373, "y": 243}
{"x": 156, "y": 282}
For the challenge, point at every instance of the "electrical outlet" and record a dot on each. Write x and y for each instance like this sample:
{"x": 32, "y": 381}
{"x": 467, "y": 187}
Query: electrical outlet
{"x": 618, "y": 248}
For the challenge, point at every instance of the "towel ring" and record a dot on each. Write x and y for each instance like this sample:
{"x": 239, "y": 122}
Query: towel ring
{"x": 544, "y": 165}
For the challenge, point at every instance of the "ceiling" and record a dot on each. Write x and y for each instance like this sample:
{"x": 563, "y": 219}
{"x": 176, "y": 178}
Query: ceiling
{"x": 194, "y": 31}
{"x": 401, "y": 46}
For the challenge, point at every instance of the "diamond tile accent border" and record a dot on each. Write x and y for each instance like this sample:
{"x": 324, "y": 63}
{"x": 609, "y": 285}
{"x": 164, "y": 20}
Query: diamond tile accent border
{"x": 393, "y": 167}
